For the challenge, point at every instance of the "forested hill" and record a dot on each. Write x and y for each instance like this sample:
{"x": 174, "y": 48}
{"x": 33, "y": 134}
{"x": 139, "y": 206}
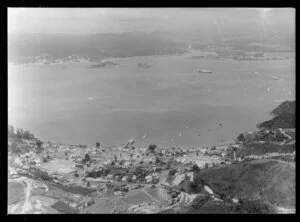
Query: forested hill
{"x": 285, "y": 116}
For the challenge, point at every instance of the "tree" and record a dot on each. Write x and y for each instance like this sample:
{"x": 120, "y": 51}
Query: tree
{"x": 196, "y": 168}
{"x": 241, "y": 137}
{"x": 168, "y": 164}
{"x": 15, "y": 148}
{"x": 172, "y": 172}
{"x": 97, "y": 145}
{"x": 152, "y": 147}
{"x": 27, "y": 135}
{"x": 39, "y": 146}
{"x": 19, "y": 134}
{"x": 86, "y": 158}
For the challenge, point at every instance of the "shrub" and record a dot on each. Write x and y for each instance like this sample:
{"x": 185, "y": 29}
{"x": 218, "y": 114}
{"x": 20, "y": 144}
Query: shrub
{"x": 168, "y": 165}
{"x": 152, "y": 147}
{"x": 252, "y": 207}
{"x": 97, "y": 145}
{"x": 15, "y": 148}
{"x": 39, "y": 143}
{"x": 122, "y": 162}
{"x": 172, "y": 172}
{"x": 196, "y": 168}
{"x": 39, "y": 146}
{"x": 27, "y": 135}
{"x": 19, "y": 134}
{"x": 87, "y": 157}
{"x": 193, "y": 186}
{"x": 241, "y": 137}
{"x": 41, "y": 174}
{"x": 90, "y": 203}
{"x": 206, "y": 165}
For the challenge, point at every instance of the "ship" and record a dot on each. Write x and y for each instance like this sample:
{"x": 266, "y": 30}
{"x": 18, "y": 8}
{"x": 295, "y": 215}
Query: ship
{"x": 205, "y": 71}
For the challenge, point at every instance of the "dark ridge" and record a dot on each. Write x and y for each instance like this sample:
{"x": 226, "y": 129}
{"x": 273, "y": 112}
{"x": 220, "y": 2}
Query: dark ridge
{"x": 285, "y": 117}
{"x": 285, "y": 108}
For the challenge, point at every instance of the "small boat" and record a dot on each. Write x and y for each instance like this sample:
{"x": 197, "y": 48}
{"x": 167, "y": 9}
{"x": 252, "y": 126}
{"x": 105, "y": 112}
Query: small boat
{"x": 205, "y": 71}
{"x": 275, "y": 77}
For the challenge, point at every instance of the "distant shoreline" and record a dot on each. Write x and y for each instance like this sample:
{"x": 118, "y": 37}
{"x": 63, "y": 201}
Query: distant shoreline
{"x": 82, "y": 60}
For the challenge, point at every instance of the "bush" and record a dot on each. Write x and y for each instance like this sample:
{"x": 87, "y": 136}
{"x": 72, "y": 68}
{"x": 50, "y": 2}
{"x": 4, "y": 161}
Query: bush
{"x": 121, "y": 162}
{"x": 97, "y": 145}
{"x": 39, "y": 146}
{"x": 39, "y": 143}
{"x": 194, "y": 187}
{"x": 27, "y": 135}
{"x": 168, "y": 165}
{"x": 152, "y": 147}
{"x": 41, "y": 174}
{"x": 172, "y": 172}
{"x": 241, "y": 137}
{"x": 90, "y": 203}
{"x": 252, "y": 207}
{"x": 196, "y": 168}
{"x": 15, "y": 148}
{"x": 87, "y": 157}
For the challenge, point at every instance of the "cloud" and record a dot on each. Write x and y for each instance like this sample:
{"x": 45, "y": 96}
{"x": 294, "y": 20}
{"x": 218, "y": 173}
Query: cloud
{"x": 105, "y": 20}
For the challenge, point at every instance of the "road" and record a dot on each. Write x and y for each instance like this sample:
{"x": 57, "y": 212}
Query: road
{"x": 23, "y": 207}
{"x": 27, "y": 205}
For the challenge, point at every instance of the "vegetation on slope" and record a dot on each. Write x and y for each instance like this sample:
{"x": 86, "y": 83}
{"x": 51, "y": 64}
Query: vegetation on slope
{"x": 285, "y": 117}
{"x": 267, "y": 180}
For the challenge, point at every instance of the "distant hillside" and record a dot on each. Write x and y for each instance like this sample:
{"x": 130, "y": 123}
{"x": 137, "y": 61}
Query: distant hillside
{"x": 285, "y": 117}
{"x": 93, "y": 47}
{"x": 285, "y": 108}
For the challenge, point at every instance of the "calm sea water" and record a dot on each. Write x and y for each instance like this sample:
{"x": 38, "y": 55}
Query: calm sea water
{"x": 169, "y": 104}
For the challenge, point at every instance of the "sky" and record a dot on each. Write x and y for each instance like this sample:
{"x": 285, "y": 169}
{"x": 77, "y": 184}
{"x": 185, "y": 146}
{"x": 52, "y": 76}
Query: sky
{"x": 117, "y": 20}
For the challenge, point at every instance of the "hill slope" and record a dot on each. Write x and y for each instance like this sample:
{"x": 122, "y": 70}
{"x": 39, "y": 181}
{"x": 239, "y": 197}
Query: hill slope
{"x": 285, "y": 117}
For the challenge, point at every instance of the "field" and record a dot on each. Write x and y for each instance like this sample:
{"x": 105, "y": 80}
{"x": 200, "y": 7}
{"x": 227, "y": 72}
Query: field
{"x": 15, "y": 192}
{"x": 60, "y": 166}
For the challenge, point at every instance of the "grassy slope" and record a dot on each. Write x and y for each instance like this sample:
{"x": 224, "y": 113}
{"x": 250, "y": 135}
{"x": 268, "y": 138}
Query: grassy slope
{"x": 15, "y": 192}
{"x": 285, "y": 116}
{"x": 269, "y": 180}
{"x": 261, "y": 149}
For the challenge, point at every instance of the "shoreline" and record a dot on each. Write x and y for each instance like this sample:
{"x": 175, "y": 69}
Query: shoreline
{"x": 189, "y": 52}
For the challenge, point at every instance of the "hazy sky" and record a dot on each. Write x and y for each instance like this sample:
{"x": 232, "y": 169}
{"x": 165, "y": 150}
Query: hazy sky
{"x": 112, "y": 20}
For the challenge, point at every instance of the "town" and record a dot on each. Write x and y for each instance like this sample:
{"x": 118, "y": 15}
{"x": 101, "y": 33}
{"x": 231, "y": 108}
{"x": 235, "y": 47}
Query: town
{"x": 59, "y": 178}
